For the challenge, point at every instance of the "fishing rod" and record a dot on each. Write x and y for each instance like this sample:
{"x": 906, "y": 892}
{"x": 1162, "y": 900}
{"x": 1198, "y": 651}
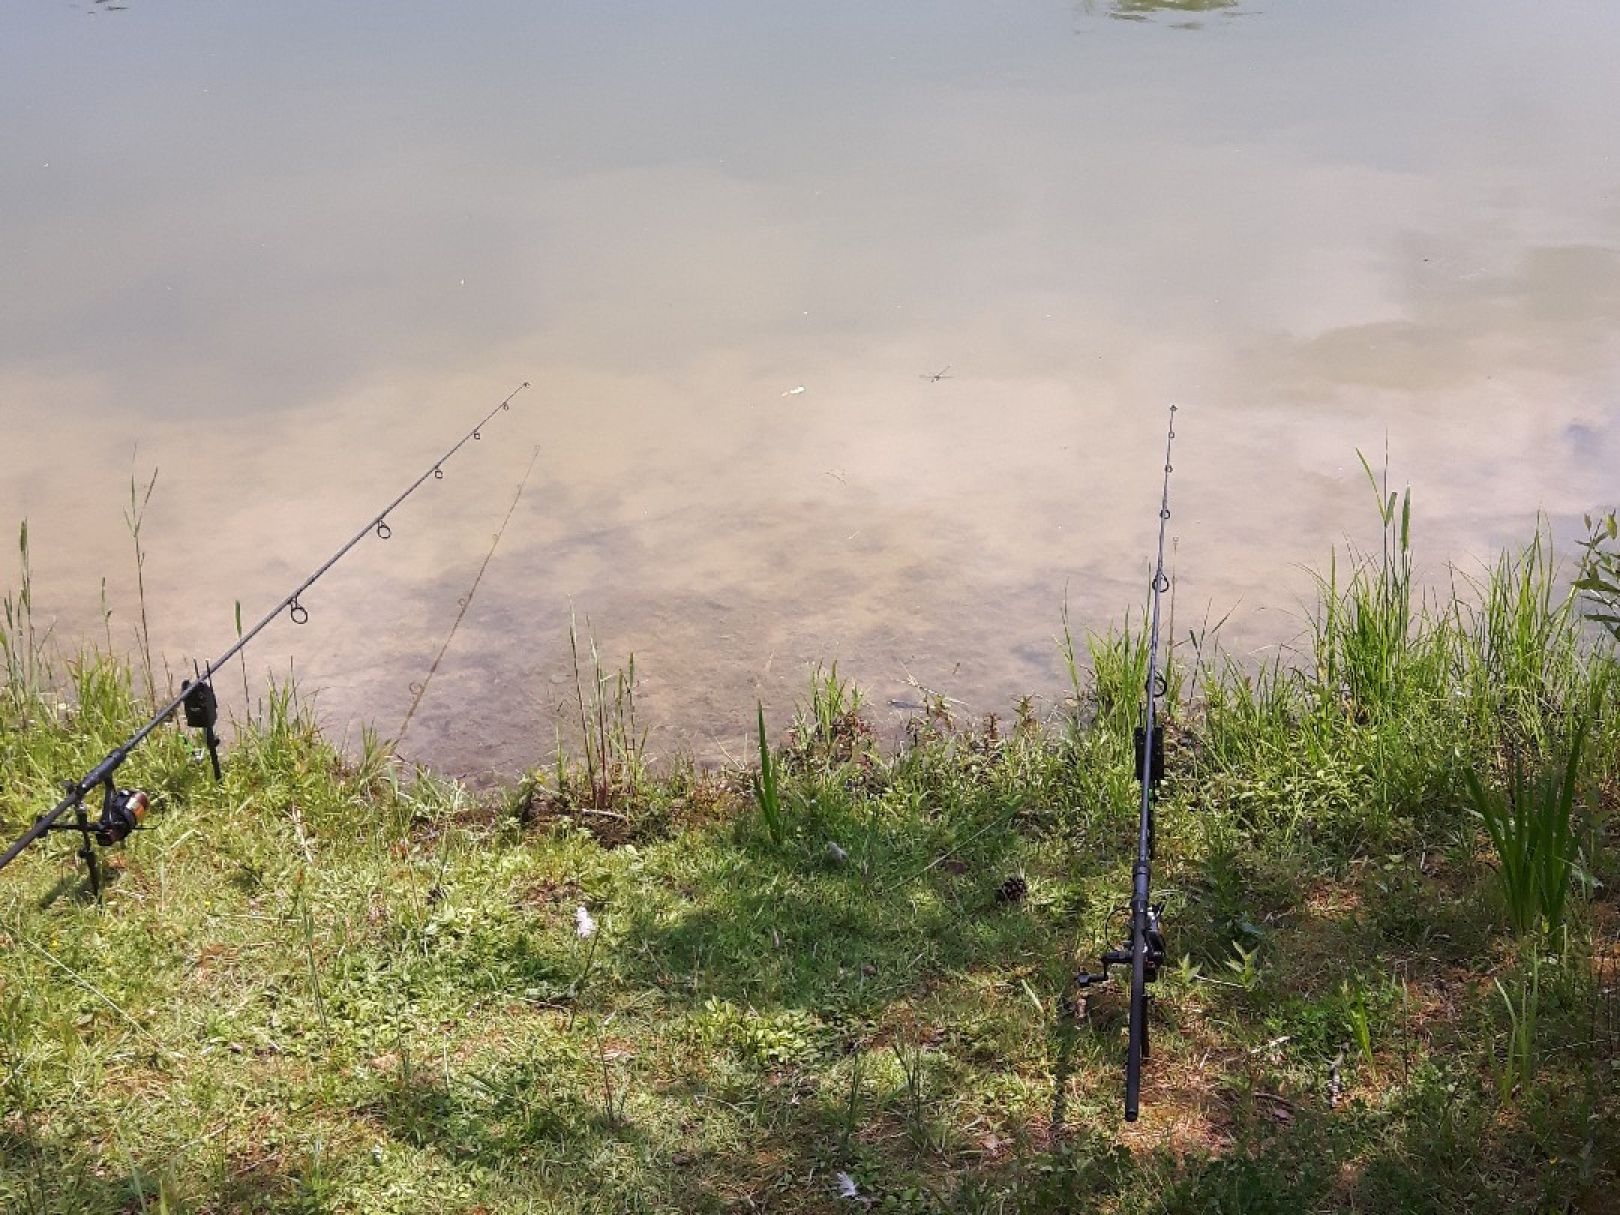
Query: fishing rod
{"x": 123, "y": 810}
{"x": 1144, "y": 952}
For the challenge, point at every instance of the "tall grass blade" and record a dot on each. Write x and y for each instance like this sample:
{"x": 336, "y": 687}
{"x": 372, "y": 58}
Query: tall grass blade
{"x": 767, "y": 793}
{"x": 1530, "y": 826}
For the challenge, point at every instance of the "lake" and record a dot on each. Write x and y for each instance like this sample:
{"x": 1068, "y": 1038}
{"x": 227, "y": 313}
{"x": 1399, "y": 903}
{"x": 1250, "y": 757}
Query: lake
{"x": 851, "y": 329}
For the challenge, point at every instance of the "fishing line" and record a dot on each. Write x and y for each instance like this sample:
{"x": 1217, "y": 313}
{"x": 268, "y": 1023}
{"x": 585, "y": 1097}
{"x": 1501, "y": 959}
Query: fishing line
{"x": 465, "y": 602}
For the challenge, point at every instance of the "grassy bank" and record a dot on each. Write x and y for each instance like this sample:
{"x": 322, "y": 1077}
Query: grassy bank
{"x": 330, "y": 984}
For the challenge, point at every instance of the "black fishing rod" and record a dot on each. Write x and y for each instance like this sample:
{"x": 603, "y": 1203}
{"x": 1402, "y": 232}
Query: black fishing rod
{"x": 1144, "y": 952}
{"x": 122, "y": 810}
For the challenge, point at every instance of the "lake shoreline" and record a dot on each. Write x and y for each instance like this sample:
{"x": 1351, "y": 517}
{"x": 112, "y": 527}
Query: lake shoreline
{"x": 350, "y": 983}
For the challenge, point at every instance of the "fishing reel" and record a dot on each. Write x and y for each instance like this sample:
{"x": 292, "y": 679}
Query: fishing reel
{"x": 1146, "y": 946}
{"x": 122, "y": 812}
{"x": 1151, "y": 762}
{"x": 1152, "y": 958}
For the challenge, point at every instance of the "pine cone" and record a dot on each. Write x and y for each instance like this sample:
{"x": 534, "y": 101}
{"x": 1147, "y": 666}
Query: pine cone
{"x": 1012, "y": 890}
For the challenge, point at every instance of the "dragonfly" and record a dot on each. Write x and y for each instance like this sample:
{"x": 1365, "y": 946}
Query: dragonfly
{"x": 942, "y": 374}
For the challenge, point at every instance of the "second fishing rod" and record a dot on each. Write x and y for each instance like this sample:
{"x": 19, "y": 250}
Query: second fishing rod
{"x": 122, "y": 810}
{"x": 1144, "y": 952}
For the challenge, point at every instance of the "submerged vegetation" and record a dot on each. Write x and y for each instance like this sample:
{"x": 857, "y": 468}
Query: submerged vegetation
{"x": 843, "y": 980}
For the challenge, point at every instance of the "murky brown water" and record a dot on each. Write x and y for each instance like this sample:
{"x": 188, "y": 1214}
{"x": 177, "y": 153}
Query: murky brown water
{"x": 286, "y": 256}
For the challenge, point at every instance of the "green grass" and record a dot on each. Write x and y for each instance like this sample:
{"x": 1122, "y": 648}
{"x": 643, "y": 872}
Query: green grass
{"x": 332, "y": 984}
{"x": 1531, "y": 829}
{"x": 767, "y": 789}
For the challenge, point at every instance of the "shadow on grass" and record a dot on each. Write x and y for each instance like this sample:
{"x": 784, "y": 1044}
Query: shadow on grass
{"x": 538, "y": 1106}
{"x": 38, "y": 1175}
{"x": 780, "y": 936}
{"x": 41, "y": 1175}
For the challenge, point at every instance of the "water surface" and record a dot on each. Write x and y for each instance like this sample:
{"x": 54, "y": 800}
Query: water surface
{"x": 286, "y": 255}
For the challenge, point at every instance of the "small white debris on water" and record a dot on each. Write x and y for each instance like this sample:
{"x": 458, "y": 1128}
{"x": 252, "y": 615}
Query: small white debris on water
{"x": 793, "y": 392}
{"x": 847, "y": 1187}
{"x": 583, "y": 924}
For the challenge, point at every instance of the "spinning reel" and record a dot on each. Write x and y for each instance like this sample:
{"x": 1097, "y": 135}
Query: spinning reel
{"x": 1152, "y": 934}
{"x": 122, "y": 812}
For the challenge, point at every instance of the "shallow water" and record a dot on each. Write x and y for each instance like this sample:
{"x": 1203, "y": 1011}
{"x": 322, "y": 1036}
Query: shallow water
{"x": 287, "y": 256}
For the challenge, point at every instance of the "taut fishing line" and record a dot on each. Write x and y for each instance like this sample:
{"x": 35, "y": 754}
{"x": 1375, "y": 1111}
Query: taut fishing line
{"x": 419, "y": 690}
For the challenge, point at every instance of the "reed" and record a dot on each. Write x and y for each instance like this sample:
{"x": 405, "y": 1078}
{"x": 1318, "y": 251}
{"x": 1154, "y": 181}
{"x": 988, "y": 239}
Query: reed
{"x": 1531, "y": 827}
{"x": 828, "y": 728}
{"x": 19, "y": 642}
{"x": 767, "y": 787}
{"x": 1516, "y": 1070}
{"x": 614, "y": 744}
{"x": 134, "y": 521}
